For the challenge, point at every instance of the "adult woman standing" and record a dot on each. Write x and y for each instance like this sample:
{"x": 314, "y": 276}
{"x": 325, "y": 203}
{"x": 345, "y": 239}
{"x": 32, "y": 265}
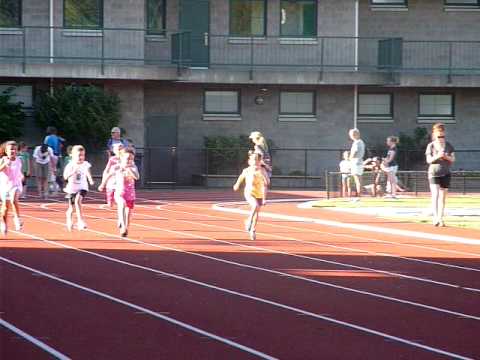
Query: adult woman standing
{"x": 440, "y": 155}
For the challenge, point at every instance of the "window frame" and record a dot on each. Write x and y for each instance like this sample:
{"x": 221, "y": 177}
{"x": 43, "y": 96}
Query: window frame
{"x": 16, "y": 85}
{"x": 398, "y": 3}
{"x": 376, "y": 116}
{"x": 315, "y": 35}
{"x": 164, "y": 20}
{"x": 101, "y": 15}
{"x": 265, "y": 12}
{"x": 19, "y": 23}
{"x": 235, "y": 113}
{"x": 462, "y": 5}
{"x": 296, "y": 114}
{"x": 436, "y": 116}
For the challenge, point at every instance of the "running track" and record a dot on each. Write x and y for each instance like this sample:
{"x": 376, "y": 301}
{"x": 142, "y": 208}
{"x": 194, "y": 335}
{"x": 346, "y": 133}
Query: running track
{"x": 188, "y": 284}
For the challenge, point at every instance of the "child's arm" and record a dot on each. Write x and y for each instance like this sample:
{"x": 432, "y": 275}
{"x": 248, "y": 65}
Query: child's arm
{"x": 90, "y": 178}
{"x": 240, "y": 180}
{"x": 133, "y": 172}
{"x": 105, "y": 179}
{"x": 69, "y": 171}
{"x": 4, "y": 163}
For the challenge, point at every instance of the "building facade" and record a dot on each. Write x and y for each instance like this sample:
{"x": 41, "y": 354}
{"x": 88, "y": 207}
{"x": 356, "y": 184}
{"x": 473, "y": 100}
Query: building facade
{"x": 302, "y": 72}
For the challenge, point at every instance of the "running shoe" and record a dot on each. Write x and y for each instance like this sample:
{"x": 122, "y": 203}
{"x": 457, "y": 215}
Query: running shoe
{"x": 81, "y": 225}
{"x": 253, "y": 235}
{"x": 18, "y": 223}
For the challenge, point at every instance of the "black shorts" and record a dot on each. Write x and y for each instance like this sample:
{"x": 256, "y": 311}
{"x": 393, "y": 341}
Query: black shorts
{"x": 443, "y": 181}
{"x": 71, "y": 197}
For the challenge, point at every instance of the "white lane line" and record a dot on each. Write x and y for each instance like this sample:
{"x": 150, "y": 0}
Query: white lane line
{"x": 56, "y": 354}
{"x": 257, "y": 268}
{"x": 299, "y": 200}
{"x": 315, "y": 259}
{"x": 360, "y": 227}
{"x": 142, "y": 309}
{"x": 231, "y": 343}
{"x": 317, "y": 243}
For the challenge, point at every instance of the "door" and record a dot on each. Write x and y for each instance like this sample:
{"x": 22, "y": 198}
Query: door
{"x": 195, "y": 18}
{"x": 160, "y": 153}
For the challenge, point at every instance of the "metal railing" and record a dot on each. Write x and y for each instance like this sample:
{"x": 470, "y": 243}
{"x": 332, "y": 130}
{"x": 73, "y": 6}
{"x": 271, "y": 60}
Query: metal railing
{"x": 412, "y": 182}
{"x": 135, "y": 46}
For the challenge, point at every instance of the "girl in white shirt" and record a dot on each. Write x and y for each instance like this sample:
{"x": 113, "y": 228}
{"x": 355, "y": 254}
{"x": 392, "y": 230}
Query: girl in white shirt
{"x": 78, "y": 176}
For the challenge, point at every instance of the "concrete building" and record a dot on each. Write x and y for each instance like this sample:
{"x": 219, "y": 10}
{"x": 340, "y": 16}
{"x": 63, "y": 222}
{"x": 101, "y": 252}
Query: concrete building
{"x": 302, "y": 72}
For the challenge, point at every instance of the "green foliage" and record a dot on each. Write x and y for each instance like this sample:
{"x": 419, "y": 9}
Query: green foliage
{"x": 412, "y": 148}
{"x": 226, "y": 154}
{"x": 83, "y": 115}
{"x": 12, "y": 117}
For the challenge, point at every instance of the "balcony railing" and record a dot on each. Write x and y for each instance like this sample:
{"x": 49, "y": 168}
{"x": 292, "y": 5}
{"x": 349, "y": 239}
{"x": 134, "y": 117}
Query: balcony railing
{"x": 122, "y": 46}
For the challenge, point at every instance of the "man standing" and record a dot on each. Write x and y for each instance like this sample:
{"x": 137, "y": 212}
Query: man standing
{"x": 357, "y": 152}
{"x": 115, "y": 139}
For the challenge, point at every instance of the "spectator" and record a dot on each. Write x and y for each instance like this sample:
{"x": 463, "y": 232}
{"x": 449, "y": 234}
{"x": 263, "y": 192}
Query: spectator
{"x": 357, "y": 152}
{"x": 115, "y": 139}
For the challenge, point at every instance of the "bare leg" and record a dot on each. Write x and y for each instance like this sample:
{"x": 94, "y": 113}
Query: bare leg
{"x": 435, "y": 189}
{"x": 78, "y": 209}
{"x": 358, "y": 185}
{"x": 392, "y": 179}
{"x": 69, "y": 215}
{"x": 3, "y": 216}
{"x": 442, "y": 196}
{"x": 122, "y": 218}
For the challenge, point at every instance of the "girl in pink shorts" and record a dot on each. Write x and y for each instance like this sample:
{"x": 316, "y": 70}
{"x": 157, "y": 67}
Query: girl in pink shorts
{"x": 11, "y": 179}
{"x": 109, "y": 185}
{"x": 125, "y": 173}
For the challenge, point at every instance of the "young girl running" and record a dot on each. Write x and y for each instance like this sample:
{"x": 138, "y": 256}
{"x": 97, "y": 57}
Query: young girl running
{"x": 11, "y": 179}
{"x": 125, "y": 173}
{"x": 110, "y": 184}
{"x": 256, "y": 182}
{"x": 77, "y": 175}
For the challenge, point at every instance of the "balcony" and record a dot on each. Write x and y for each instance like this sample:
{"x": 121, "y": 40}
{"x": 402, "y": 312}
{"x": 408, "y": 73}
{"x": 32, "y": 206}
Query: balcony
{"x": 136, "y": 54}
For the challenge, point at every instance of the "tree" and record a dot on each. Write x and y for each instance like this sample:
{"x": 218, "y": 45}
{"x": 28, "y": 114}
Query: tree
{"x": 82, "y": 114}
{"x": 12, "y": 116}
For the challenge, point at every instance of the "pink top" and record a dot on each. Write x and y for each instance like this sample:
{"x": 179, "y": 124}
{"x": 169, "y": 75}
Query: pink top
{"x": 112, "y": 162}
{"x": 11, "y": 176}
{"x": 125, "y": 185}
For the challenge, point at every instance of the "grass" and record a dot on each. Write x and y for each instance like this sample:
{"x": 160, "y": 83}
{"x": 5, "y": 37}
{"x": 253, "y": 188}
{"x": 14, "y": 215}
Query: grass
{"x": 453, "y": 202}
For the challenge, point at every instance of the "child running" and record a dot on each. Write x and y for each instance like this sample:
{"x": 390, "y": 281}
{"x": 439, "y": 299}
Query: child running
{"x": 256, "y": 182}
{"x": 125, "y": 173}
{"x": 11, "y": 179}
{"x": 77, "y": 175}
{"x": 109, "y": 185}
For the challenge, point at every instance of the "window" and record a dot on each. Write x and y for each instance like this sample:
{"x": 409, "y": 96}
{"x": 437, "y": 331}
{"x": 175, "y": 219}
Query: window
{"x": 83, "y": 14}
{"x": 388, "y": 2}
{"x": 156, "y": 17}
{"x": 10, "y": 13}
{"x": 20, "y": 93}
{"x": 467, "y": 3}
{"x": 222, "y": 102}
{"x": 375, "y": 105}
{"x": 436, "y": 105}
{"x": 247, "y": 17}
{"x": 297, "y": 103}
{"x": 298, "y": 18}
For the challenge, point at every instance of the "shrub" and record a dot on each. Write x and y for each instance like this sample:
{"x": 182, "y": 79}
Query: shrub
{"x": 411, "y": 149}
{"x": 226, "y": 154}
{"x": 82, "y": 114}
{"x": 12, "y": 116}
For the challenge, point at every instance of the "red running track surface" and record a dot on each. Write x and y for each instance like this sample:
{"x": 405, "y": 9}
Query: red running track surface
{"x": 188, "y": 284}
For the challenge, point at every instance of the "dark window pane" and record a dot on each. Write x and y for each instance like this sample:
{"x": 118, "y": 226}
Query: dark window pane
{"x": 83, "y": 13}
{"x": 374, "y": 104}
{"x": 436, "y": 105}
{"x": 388, "y": 2}
{"x": 247, "y": 17}
{"x": 10, "y": 13}
{"x": 462, "y": 2}
{"x": 298, "y": 18}
{"x": 156, "y": 16}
